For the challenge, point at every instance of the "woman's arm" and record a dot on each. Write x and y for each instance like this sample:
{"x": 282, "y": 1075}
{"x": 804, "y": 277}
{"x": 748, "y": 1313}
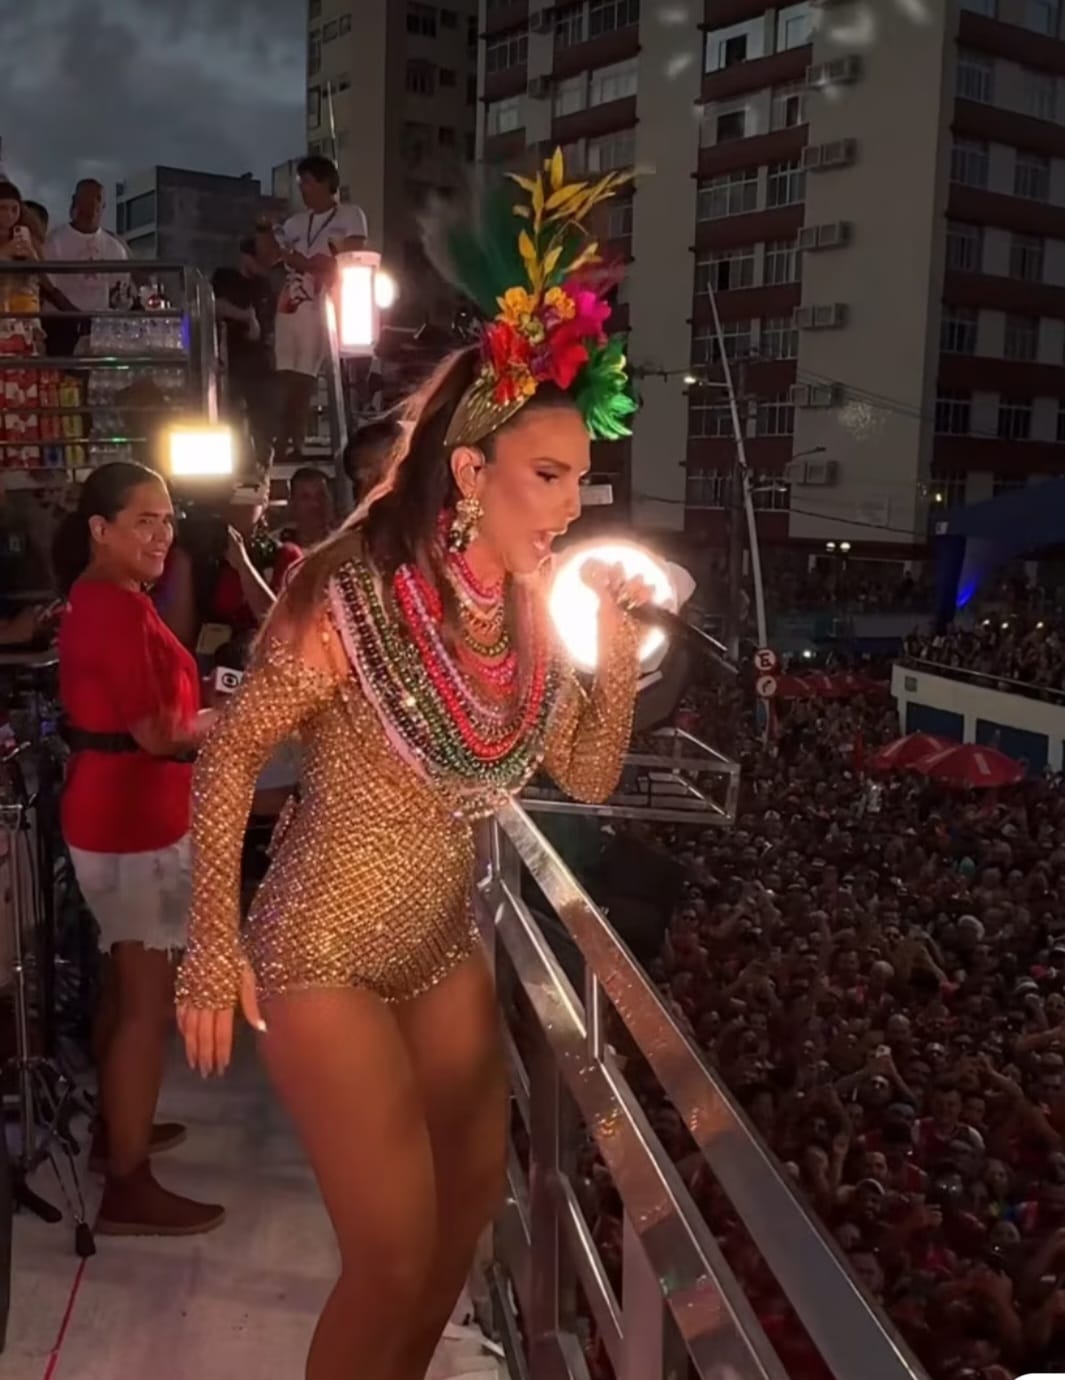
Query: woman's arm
{"x": 258, "y": 595}
{"x": 292, "y": 677}
{"x": 590, "y": 732}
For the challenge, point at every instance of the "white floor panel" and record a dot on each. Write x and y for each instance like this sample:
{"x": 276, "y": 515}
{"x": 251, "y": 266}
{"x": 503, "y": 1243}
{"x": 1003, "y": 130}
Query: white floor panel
{"x": 240, "y": 1301}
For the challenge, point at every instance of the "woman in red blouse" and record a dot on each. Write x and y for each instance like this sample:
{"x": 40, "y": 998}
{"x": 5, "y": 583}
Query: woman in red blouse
{"x": 131, "y": 696}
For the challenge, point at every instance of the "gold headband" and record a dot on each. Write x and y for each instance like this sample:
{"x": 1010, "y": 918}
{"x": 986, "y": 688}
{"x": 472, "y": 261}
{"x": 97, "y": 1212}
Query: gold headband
{"x": 478, "y": 415}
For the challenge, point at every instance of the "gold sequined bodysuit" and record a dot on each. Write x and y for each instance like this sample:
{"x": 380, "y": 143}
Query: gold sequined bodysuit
{"x": 372, "y": 871}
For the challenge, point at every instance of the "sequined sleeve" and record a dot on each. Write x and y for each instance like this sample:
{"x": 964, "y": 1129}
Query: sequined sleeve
{"x": 279, "y": 694}
{"x": 590, "y": 731}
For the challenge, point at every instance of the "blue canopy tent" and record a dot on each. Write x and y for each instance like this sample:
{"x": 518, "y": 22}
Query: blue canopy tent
{"x": 975, "y": 541}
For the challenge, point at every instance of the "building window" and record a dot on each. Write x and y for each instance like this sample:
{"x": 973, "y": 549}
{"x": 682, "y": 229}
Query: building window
{"x": 965, "y": 246}
{"x": 447, "y": 76}
{"x": 604, "y": 16}
{"x": 421, "y": 19}
{"x": 503, "y": 117}
{"x": 1041, "y": 16}
{"x": 707, "y": 420}
{"x": 976, "y": 77}
{"x": 731, "y": 194}
{"x": 1040, "y": 93}
{"x": 789, "y": 107}
{"x": 314, "y": 9}
{"x": 948, "y": 489}
{"x": 314, "y": 55}
{"x": 953, "y": 412}
{"x": 1014, "y": 419}
{"x": 345, "y": 24}
{"x": 507, "y": 51}
{"x": 138, "y": 212}
{"x": 731, "y": 124}
{"x": 619, "y": 219}
{"x": 738, "y": 43}
{"x": 785, "y": 185}
{"x": 571, "y": 94}
{"x": 1022, "y": 338}
{"x": 795, "y": 27}
{"x": 415, "y": 141}
{"x": 779, "y": 338}
{"x": 957, "y": 330}
{"x": 783, "y": 263}
{"x": 1007, "y": 484}
{"x": 613, "y": 83}
{"x": 969, "y": 162}
{"x": 329, "y": 31}
{"x": 314, "y": 107}
{"x": 611, "y": 152}
{"x": 775, "y": 417}
{"x": 1026, "y": 258}
{"x": 1031, "y": 176}
{"x": 736, "y": 336}
{"x": 704, "y": 488}
{"x": 771, "y": 493}
{"x": 725, "y": 270}
{"x": 570, "y": 26}
{"x": 421, "y": 77}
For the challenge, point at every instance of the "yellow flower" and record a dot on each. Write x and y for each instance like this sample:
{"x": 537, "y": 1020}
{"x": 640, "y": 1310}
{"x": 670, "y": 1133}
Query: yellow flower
{"x": 532, "y": 328}
{"x": 560, "y": 303}
{"x": 528, "y": 386}
{"x": 516, "y": 304}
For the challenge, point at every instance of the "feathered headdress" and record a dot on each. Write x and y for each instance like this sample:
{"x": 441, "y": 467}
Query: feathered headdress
{"x": 533, "y": 269}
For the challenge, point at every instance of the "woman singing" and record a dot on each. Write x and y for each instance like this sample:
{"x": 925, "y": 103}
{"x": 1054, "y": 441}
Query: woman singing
{"x": 412, "y": 654}
{"x": 131, "y": 696}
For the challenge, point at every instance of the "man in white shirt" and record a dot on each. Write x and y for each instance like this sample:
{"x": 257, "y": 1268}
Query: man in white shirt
{"x": 310, "y": 241}
{"x": 83, "y": 239}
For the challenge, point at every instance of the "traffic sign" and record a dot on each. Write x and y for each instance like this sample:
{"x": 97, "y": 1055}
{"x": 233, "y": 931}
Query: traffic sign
{"x": 765, "y": 661}
{"x": 766, "y": 687}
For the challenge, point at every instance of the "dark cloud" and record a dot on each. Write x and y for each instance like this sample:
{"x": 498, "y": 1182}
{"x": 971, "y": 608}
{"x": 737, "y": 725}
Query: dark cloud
{"x": 107, "y": 87}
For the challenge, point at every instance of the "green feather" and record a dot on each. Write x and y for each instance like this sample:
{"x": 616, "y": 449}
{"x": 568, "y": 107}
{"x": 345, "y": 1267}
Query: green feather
{"x": 602, "y": 393}
{"x": 473, "y": 244}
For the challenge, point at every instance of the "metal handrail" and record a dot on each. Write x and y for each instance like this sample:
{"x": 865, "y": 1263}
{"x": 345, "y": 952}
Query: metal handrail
{"x": 674, "y": 1260}
{"x": 1028, "y": 689}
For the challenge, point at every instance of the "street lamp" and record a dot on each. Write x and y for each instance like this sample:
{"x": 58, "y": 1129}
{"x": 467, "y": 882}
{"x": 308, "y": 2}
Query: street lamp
{"x": 365, "y": 291}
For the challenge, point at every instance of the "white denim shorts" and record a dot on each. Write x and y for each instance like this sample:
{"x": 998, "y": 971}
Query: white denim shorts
{"x": 138, "y": 898}
{"x": 299, "y": 340}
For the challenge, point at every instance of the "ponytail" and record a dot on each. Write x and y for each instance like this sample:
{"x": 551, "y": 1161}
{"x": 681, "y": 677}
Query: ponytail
{"x": 104, "y": 494}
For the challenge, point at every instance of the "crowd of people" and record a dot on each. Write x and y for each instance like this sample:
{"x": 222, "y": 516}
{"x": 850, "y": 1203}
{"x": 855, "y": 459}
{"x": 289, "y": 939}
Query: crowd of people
{"x": 875, "y": 971}
{"x": 1024, "y": 649}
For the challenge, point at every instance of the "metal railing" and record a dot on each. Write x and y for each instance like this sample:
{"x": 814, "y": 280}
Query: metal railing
{"x": 987, "y": 680}
{"x": 72, "y": 410}
{"x": 680, "y": 1305}
{"x": 678, "y": 779}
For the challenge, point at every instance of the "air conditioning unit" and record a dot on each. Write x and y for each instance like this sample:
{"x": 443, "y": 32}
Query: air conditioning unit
{"x": 542, "y": 21}
{"x": 539, "y": 88}
{"x": 830, "y": 316}
{"x": 838, "y": 72}
{"x": 841, "y": 153}
{"x": 811, "y": 157}
{"x": 834, "y": 235}
{"x": 799, "y": 395}
{"x": 817, "y": 473}
{"x": 807, "y": 237}
{"x": 813, "y": 395}
{"x": 804, "y": 318}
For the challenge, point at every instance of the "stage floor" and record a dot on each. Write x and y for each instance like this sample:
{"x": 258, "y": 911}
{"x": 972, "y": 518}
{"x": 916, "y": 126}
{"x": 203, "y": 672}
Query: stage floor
{"x": 240, "y": 1301}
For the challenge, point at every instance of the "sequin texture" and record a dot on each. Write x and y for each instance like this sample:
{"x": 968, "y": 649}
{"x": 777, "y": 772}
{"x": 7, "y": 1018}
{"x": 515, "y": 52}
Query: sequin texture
{"x": 371, "y": 875}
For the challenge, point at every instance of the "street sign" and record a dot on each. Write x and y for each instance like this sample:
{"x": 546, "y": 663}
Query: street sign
{"x": 766, "y": 687}
{"x": 765, "y": 661}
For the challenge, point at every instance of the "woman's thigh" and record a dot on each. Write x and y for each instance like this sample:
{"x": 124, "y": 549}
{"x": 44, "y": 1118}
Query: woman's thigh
{"x": 342, "y": 1070}
{"x": 453, "y": 1035}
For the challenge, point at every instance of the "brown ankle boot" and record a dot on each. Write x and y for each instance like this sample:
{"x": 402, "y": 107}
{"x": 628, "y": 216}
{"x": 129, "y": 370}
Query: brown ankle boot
{"x": 138, "y": 1206}
{"x": 165, "y": 1136}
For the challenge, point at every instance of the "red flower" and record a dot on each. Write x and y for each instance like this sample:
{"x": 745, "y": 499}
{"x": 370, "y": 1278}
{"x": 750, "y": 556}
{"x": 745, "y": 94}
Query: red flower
{"x": 504, "y": 347}
{"x": 567, "y": 353}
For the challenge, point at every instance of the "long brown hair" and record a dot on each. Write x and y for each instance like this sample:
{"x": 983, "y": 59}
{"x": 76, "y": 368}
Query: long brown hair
{"x": 397, "y": 523}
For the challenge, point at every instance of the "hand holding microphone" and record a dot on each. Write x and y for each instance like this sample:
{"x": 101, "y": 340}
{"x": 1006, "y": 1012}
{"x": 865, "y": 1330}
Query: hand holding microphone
{"x": 617, "y": 593}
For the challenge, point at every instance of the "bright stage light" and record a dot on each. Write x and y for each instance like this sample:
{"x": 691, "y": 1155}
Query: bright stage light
{"x": 574, "y": 607}
{"x": 365, "y": 291}
{"x": 200, "y": 452}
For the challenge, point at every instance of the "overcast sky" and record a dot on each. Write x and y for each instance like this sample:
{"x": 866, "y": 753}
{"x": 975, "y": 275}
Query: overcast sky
{"x": 103, "y": 88}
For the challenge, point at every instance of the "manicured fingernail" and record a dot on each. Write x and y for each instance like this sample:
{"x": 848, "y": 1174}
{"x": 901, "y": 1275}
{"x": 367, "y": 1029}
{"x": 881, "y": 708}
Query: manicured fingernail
{"x": 260, "y": 1026}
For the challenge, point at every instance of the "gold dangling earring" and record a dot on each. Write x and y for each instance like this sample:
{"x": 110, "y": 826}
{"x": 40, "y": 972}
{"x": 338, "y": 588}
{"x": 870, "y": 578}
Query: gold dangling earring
{"x": 463, "y": 529}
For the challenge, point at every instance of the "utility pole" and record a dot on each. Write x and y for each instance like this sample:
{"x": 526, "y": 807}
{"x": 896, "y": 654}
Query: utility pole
{"x": 735, "y": 526}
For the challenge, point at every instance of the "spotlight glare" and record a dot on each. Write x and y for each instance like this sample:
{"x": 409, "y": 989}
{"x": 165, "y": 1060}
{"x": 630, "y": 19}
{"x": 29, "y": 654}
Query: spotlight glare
{"x": 574, "y": 606}
{"x": 200, "y": 452}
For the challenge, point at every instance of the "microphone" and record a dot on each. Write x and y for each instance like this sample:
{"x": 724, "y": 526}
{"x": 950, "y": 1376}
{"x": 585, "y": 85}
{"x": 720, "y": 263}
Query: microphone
{"x": 674, "y": 626}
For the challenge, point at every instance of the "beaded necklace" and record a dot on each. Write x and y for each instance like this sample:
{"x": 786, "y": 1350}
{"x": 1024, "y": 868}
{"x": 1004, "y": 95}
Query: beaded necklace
{"x": 460, "y": 719}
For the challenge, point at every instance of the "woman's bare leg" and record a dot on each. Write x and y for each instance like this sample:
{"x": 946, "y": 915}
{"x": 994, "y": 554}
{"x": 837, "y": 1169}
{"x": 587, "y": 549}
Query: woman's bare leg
{"x": 343, "y": 1071}
{"x": 452, "y": 1033}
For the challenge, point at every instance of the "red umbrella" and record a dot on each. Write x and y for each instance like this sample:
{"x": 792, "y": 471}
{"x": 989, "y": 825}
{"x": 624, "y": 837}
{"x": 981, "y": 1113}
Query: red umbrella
{"x": 968, "y": 764}
{"x": 905, "y": 752}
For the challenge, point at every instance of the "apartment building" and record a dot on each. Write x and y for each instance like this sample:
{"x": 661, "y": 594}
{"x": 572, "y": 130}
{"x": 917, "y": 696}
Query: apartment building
{"x": 874, "y": 193}
{"x": 392, "y": 96}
